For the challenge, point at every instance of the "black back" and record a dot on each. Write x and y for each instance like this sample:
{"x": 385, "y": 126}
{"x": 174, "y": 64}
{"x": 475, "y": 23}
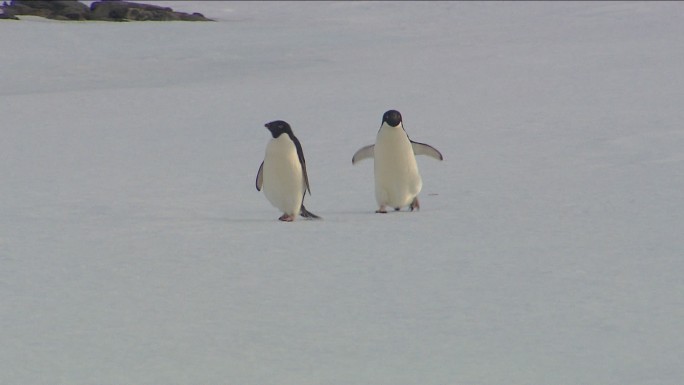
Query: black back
{"x": 280, "y": 127}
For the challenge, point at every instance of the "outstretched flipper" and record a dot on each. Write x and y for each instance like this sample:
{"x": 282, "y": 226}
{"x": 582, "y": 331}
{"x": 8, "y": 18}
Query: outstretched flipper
{"x": 364, "y": 153}
{"x": 260, "y": 177}
{"x": 426, "y": 149}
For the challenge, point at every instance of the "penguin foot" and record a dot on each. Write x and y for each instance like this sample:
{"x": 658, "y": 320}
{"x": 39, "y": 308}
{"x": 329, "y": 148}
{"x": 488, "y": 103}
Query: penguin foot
{"x": 397, "y": 208}
{"x": 308, "y": 214}
{"x": 286, "y": 218}
{"x": 381, "y": 210}
{"x": 415, "y": 205}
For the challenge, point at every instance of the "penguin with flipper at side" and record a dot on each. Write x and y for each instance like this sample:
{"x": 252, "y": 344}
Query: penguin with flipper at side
{"x": 282, "y": 174}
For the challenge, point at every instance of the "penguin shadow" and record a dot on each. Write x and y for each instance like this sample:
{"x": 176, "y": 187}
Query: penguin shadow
{"x": 262, "y": 218}
{"x": 347, "y": 215}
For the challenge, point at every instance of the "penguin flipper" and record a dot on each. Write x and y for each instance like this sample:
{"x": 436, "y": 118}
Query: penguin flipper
{"x": 302, "y": 162}
{"x": 426, "y": 149}
{"x": 305, "y": 178}
{"x": 260, "y": 177}
{"x": 364, "y": 153}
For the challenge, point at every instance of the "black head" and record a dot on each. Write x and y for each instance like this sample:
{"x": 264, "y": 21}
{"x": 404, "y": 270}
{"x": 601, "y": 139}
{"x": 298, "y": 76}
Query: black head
{"x": 392, "y": 118}
{"x": 278, "y": 127}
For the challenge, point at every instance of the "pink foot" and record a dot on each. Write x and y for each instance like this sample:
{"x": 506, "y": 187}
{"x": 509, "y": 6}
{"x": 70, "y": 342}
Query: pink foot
{"x": 286, "y": 218}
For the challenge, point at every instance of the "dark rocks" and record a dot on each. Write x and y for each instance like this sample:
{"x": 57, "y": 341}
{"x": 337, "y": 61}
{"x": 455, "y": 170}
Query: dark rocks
{"x": 55, "y": 9}
{"x": 106, "y": 10}
{"x": 5, "y": 16}
{"x": 124, "y": 10}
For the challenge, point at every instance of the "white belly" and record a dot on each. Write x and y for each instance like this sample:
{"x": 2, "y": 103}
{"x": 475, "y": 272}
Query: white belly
{"x": 397, "y": 181}
{"x": 283, "y": 182}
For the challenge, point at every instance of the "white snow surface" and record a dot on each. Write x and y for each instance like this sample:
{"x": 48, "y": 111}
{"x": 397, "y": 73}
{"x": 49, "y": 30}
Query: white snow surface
{"x": 135, "y": 249}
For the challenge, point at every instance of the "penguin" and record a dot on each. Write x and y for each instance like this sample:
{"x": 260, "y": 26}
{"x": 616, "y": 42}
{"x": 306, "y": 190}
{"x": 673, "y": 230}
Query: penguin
{"x": 397, "y": 180}
{"x": 282, "y": 174}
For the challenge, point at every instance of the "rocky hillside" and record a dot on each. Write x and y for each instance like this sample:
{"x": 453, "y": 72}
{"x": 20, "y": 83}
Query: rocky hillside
{"x": 106, "y": 10}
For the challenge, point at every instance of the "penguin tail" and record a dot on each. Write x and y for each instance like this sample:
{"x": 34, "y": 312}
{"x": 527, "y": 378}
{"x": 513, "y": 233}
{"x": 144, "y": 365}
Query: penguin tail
{"x": 308, "y": 214}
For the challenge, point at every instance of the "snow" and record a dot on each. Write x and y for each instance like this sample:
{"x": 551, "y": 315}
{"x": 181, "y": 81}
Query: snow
{"x": 135, "y": 248}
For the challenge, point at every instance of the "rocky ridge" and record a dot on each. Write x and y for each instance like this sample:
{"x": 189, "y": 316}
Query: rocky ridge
{"x": 105, "y": 10}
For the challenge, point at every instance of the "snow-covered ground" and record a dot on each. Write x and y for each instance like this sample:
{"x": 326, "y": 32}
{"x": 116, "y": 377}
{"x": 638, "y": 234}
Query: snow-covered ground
{"x": 549, "y": 249}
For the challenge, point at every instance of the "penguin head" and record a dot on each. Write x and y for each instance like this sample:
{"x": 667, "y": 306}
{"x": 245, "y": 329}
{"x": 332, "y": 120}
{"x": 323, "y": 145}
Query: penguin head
{"x": 278, "y": 127}
{"x": 392, "y": 118}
